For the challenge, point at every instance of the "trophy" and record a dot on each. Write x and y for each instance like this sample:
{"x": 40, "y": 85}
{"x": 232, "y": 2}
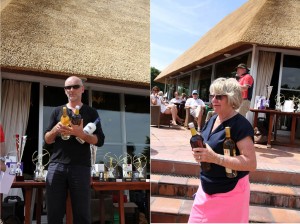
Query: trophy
{"x": 126, "y": 163}
{"x": 111, "y": 162}
{"x": 20, "y": 145}
{"x": 140, "y": 162}
{"x": 297, "y": 109}
{"x": 279, "y": 99}
{"x": 296, "y": 102}
{"x": 94, "y": 174}
{"x": 40, "y": 173}
{"x": 269, "y": 90}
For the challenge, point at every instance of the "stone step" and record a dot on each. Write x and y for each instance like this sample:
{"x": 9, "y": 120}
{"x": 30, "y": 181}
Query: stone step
{"x": 263, "y": 194}
{"x": 263, "y": 174}
{"x": 175, "y": 210}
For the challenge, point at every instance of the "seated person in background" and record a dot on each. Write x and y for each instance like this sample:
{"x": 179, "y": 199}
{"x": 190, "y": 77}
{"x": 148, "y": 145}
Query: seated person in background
{"x": 162, "y": 97}
{"x": 183, "y": 97}
{"x": 209, "y": 111}
{"x": 176, "y": 99}
{"x": 196, "y": 106}
{"x": 179, "y": 103}
{"x": 160, "y": 94}
{"x": 164, "y": 108}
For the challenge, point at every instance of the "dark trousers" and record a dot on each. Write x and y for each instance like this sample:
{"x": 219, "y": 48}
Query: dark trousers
{"x": 60, "y": 179}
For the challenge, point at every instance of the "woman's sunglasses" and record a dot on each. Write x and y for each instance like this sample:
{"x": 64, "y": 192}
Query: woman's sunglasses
{"x": 74, "y": 87}
{"x": 217, "y": 97}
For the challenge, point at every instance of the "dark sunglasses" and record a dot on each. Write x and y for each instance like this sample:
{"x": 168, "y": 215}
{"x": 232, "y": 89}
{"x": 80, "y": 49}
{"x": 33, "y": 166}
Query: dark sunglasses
{"x": 217, "y": 97}
{"x": 74, "y": 87}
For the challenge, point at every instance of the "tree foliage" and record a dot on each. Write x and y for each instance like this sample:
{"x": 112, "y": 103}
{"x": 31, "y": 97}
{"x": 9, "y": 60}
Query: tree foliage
{"x": 154, "y": 73}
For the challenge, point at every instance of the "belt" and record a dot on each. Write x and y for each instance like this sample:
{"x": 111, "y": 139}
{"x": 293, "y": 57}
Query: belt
{"x": 245, "y": 99}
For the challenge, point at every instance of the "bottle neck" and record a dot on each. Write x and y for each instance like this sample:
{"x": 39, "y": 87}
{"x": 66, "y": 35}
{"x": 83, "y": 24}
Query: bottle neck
{"x": 227, "y": 132}
{"x": 193, "y": 131}
{"x": 65, "y": 112}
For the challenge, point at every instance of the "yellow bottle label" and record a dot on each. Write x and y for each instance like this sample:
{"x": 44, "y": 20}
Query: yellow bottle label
{"x": 227, "y": 153}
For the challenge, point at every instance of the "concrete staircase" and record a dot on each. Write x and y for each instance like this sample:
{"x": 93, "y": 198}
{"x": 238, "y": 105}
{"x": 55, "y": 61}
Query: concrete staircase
{"x": 275, "y": 193}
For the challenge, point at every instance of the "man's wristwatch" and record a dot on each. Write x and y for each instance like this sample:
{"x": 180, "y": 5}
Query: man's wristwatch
{"x": 2, "y": 159}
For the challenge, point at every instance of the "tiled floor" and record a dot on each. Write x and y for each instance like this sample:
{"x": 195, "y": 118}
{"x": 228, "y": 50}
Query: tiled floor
{"x": 173, "y": 144}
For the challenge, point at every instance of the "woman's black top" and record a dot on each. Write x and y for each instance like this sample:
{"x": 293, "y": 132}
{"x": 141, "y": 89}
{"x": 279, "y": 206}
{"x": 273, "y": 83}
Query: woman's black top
{"x": 215, "y": 180}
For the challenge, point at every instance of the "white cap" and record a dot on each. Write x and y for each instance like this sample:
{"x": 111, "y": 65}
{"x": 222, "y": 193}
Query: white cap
{"x": 77, "y": 107}
{"x": 191, "y": 125}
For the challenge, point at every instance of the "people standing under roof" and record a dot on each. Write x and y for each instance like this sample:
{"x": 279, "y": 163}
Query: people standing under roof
{"x": 246, "y": 82}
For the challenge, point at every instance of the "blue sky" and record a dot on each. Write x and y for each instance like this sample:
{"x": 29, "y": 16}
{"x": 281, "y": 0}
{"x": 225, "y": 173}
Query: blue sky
{"x": 176, "y": 25}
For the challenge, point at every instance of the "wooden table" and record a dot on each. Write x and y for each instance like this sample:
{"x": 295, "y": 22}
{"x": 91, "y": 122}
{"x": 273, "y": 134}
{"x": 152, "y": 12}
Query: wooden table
{"x": 276, "y": 114}
{"x": 120, "y": 187}
{"x": 29, "y": 186}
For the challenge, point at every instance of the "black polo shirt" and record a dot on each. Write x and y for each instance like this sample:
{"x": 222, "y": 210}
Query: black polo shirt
{"x": 71, "y": 151}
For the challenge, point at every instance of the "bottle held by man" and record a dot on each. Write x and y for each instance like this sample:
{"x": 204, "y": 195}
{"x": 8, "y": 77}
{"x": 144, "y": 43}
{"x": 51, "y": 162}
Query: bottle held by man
{"x": 196, "y": 141}
{"x": 89, "y": 129}
{"x": 229, "y": 150}
{"x": 65, "y": 120}
{"x": 76, "y": 117}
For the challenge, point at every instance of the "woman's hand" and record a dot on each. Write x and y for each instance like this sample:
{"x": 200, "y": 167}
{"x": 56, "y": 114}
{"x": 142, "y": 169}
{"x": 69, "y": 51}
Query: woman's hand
{"x": 205, "y": 154}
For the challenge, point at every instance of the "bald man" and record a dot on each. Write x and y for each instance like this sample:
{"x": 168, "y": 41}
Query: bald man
{"x": 70, "y": 163}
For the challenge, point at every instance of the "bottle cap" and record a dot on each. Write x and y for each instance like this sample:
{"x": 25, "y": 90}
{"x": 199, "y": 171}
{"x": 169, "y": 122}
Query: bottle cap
{"x": 191, "y": 125}
{"x": 77, "y": 107}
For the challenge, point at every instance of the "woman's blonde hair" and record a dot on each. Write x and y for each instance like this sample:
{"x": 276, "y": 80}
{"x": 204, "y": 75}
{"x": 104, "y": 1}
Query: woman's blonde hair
{"x": 229, "y": 87}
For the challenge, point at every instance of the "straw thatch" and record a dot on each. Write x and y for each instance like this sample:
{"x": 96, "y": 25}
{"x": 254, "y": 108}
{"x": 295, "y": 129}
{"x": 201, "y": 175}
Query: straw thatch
{"x": 272, "y": 23}
{"x": 105, "y": 40}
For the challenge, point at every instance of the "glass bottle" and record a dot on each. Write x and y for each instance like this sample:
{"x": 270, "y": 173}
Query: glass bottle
{"x": 89, "y": 129}
{"x": 76, "y": 117}
{"x": 229, "y": 150}
{"x": 65, "y": 120}
{"x": 196, "y": 141}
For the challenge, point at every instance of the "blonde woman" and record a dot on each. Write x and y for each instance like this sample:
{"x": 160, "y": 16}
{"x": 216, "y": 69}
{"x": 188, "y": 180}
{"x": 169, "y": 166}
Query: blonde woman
{"x": 219, "y": 198}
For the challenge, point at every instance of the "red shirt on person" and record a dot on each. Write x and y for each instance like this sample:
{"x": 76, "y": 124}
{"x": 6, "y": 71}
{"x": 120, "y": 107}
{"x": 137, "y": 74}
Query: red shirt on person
{"x": 246, "y": 80}
{"x": 2, "y": 138}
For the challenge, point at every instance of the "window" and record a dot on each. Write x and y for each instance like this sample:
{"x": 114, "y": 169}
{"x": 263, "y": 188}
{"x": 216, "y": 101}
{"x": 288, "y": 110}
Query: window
{"x": 125, "y": 122}
{"x": 201, "y": 82}
{"x": 290, "y": 81}
{"x": 227, "y": 69}
{"x": 184, "y": 85}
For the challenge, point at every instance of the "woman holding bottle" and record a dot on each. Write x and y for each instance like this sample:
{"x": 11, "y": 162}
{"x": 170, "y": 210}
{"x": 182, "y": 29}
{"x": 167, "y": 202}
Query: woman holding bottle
{"x": 224, "y": 193}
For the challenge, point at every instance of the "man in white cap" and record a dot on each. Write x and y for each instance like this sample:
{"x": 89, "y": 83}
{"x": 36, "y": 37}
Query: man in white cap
{"x": 246, "y": 81}
{"x": 196, "y": 106}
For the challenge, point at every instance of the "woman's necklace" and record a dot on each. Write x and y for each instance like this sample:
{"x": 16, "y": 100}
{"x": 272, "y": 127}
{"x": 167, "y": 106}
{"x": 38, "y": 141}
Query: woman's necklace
{"x": 231, "y": 114}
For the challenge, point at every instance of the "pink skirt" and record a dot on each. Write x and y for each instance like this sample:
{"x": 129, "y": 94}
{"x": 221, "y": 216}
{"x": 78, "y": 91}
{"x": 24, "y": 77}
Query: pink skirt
{"x": 232, "y": 206}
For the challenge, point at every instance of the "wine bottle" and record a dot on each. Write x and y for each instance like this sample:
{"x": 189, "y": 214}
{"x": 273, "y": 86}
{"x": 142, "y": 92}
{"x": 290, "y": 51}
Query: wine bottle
{"x": 65, "y": 120}
{"x": 229, "y": 150}
{"x": 196, "y": 141}
{"x": 76, "y": 117}
{"x": 89, "y": 129}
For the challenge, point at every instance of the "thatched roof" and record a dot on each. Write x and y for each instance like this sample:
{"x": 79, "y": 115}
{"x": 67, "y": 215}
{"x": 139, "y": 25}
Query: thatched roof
{"x": 102, "y": 40}
{"x": 272, "y": 23}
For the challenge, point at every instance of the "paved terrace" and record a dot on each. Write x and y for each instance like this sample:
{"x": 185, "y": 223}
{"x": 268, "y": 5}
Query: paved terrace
{"x": 275, "y": 191}
{"x": 173, "y": 144}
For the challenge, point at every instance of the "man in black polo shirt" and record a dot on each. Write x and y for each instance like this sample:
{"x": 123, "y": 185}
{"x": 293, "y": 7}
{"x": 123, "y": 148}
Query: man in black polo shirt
{"x": 70, "y": 164}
